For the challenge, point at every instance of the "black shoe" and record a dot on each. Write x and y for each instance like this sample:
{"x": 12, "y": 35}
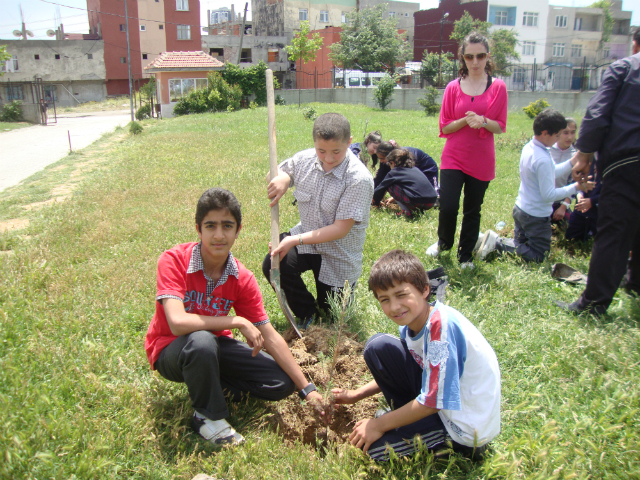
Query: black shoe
{"x": 576, "y": 309}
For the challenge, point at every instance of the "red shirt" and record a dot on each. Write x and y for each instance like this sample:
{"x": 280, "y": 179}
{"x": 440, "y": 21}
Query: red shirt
{"x": 472, "y": 150}
{"x": 239, "y": 291}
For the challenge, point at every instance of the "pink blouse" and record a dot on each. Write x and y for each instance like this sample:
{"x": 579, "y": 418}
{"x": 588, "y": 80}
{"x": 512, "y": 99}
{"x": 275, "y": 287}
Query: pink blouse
{"x": 470, "y": 150}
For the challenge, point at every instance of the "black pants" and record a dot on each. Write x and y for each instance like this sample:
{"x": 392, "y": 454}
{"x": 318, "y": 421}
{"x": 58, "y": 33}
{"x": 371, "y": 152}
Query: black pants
{"x": 618, "y": 234}
{"x": 211, "y": 366}
{"x": 292, "y": 266}
{"x": 451, "y": 183}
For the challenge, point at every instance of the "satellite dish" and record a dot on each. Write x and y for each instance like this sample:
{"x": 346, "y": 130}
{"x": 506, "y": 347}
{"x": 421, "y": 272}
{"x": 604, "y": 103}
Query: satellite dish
{"x": 51, "y": 33}
{"x": 17, "y": 33}
{"x": 30, "y": 33}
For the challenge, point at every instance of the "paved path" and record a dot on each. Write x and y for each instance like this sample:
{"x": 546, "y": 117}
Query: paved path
{"x": 28, "y": 150}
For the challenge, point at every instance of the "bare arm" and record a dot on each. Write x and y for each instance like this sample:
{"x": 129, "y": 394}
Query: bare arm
{"x": 343, "y": 396}
{"x": 278, "y": 186}
{"x": 337, "y": 230}
{"x": 182, "y": 323}
{"x": 455, "y": 125}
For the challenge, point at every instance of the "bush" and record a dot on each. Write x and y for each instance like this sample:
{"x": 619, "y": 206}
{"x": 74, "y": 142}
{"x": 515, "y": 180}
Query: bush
{"x": 383, "y": 92}
{"x": 251, "y": 80}
{"x": 534, "y": 108}
{"x": 279, "y": 100}
{"x": 310, "y": 113}
{"x": 429, "y": 104}
{"x": 219, "y": 96}
{"x": 144, "y": 112}
{"x": 135, "y": 128}
{"x": 12, "y": 112}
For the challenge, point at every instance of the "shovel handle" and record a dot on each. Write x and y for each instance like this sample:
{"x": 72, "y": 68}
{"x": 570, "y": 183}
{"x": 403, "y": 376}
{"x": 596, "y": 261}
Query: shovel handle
{"x": 273, "y": 166}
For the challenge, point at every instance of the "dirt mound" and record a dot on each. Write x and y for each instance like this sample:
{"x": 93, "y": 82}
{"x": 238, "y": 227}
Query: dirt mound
{"x": 298, "y": 420}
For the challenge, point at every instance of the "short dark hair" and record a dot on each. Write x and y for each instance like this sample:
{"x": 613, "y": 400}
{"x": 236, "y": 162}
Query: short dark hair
{"x": 395, "y": 267}
{"x": 332, "y": 126}
{"x": 550, "y": 120}
{"x": 218, "y": 199}
{"x": 385, "y": 148}
{"x": 401, "y": 157}
{"x": 473, "y": 37}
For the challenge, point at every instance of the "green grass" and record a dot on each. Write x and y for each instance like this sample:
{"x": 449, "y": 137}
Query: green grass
{"x": 6, "y": 126}
{"x": 77, "y": 397}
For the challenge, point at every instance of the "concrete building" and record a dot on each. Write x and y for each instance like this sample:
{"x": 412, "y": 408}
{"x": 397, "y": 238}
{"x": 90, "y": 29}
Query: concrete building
{"x": 254, "y": 49}
{"x": 155, "y": 26}
{"x": 619, "y": 45}
{"x": 71, "y": 71}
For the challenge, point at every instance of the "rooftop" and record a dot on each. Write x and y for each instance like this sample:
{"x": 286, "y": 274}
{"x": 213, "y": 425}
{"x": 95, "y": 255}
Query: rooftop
{"x": 184, "y": 61}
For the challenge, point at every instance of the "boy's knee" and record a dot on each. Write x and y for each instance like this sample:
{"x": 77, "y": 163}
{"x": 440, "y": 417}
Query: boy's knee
{"x": 200, "y": 344}
{"x": 378, "y": 343}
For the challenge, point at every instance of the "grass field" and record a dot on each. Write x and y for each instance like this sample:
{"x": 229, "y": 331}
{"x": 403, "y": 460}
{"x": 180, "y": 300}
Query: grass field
{"x": 6, "y": 126}
{"x": 77, "y": 286}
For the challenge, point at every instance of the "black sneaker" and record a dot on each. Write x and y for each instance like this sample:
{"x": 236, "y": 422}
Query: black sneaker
{"x": 576, "y": 309}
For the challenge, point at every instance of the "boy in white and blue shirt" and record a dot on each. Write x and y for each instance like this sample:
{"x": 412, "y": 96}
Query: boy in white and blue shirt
{"x": 441, "y": 377}
{"x": 538, "y": 190}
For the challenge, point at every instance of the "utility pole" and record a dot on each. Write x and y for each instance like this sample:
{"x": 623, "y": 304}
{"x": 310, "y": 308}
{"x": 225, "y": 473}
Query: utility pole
{"x": 440, "y": 59}
{"x": 244, "y": 19}
{"x": 126, "y": 26}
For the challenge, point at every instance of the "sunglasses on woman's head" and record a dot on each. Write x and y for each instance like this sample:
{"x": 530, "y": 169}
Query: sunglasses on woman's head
{"x": 479, "y": 56}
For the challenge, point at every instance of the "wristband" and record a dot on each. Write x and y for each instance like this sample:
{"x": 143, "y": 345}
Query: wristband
{"x": 566, "y": 204}
{"x": 300, "y": 238}
{"x": 306, "y": 391}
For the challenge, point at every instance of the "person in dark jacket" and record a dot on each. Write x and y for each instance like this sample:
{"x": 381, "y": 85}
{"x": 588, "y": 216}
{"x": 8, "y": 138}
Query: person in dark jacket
{"x": 370, "y": 143}
{"x": 584, "y": 217}
{"x": 611, "y": 127}
{"x": 423, "y": 162}
{"x": 406, "y": 184}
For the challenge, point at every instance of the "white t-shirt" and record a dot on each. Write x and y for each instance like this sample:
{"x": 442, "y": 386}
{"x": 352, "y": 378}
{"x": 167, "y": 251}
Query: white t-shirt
{"x": 462, "y": 377}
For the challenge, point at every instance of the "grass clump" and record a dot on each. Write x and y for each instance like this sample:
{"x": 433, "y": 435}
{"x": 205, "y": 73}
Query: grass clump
{"x": 135, "y": 128}
{"x": 77, "y": 396}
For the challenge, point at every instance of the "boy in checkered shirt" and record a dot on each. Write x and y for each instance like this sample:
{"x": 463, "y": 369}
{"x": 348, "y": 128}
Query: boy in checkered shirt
{"x": 333, "y": 193}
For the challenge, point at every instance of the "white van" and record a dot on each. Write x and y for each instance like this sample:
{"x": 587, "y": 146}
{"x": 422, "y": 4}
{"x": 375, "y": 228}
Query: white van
{"x": 358, "y": 79}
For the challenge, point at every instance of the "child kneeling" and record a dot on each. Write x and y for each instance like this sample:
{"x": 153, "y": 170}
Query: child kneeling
{"x": 441, "y": 377}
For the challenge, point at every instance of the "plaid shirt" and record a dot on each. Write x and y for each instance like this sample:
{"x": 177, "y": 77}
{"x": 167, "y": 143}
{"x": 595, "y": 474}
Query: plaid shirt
{"x": 196, "y": 264}
{"x": 343, "y": 193}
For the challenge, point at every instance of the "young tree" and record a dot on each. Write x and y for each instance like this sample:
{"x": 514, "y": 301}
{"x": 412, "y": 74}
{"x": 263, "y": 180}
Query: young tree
{"x": 4, "y": 56}
{"x": 370, "y": 43}
{"x": 302, "y": 47}
{"x": 468, "y": 24}
{"x": 383, "y": 93}
{"x": 431, "y": 63}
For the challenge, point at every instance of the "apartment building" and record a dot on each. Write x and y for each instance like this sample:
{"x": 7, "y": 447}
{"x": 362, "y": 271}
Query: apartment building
{"x": 155, "y": 27}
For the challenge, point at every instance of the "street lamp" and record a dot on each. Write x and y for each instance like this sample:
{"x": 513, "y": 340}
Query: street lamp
{"x": 440, "y": 60}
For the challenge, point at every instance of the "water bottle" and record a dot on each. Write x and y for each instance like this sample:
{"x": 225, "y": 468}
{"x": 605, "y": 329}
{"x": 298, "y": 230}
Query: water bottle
{"x": 500, "y": 225}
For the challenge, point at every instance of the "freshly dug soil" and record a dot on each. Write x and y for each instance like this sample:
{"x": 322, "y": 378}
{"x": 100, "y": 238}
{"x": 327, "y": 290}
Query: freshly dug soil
{"x": 298, "y": 420}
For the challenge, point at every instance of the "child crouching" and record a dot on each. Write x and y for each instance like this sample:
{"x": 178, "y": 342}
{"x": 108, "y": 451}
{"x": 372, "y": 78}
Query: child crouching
{"x": 441, "y": 377}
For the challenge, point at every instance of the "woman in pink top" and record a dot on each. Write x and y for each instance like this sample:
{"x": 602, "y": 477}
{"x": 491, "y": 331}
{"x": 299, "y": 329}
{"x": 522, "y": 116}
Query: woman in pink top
{"x": 474, "y": 109}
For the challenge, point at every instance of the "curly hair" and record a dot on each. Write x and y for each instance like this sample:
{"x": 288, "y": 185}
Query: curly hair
{"x": 473, "y": 37}
{"x": 401, "y": 157}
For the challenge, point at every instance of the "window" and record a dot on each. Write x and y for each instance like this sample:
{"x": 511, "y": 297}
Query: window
{"x": 343, "y": 17}
{"x": 576, "y": 50}
{"x": 530, "y": 19}
{"x": 182, "y": 5}
{"x": 302, "y": 14}
{"x": 324, "y": 16}
{"x": 558, "y": 50}
{"x": 14, "y": 92}
{"x": 123, "y": 59}
{"x": 518, "y": 75}
{"x": 501, "y": 17}
{"x": 36, "y": 56}
{"x": 14, "y": 58}
{"x": 245, "y": 55}
{"x": 143, "y": 28}
{"x": 57, "y": 56}
{"x": 144, "y": 56}
{"x": 161, "y": 27}
{"x": 181, "y": 87}
{"x": 577, "y": 24}
{"x": 123, "y": 27}
{"x": 606, "y": 51}
{"x": 366, "y": 82}
{"x": 528, "y": 48}
{"x": 354, "y": 81}
{"x": 89, "y": 56}
{"x": 50, "y": 93}
{"x": 392, "y": 14}
{"x": 561, "y": 21}
{"x": 274, "y": 55}
{"x": 184, "y": 32}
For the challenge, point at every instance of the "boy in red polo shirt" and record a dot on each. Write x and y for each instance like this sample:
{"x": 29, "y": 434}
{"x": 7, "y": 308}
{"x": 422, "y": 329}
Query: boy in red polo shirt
{"x": 189, "y": 339}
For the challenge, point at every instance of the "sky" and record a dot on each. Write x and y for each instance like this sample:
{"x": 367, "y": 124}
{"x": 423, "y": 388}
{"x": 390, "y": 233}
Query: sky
{"x": 40, "y": 15}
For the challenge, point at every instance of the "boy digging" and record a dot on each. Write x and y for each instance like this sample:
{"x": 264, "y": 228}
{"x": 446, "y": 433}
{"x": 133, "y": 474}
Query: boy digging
{"x": 441, "y": 377}
{"x": 189, "y": 339}
{"x": 333, "y": 193}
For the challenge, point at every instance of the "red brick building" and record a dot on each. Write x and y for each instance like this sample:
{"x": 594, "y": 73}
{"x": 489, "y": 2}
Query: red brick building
{"x": 155, "y": 26}
{"x": 427, "y": 25}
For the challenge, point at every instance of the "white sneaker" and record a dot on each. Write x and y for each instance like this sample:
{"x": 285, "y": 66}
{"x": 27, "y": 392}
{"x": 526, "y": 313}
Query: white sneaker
{"x": 488, "y": 244}
{"x": 433, "y": 250}
{"x": 217, "y": 432}
{"x": 467, "y": 265}
{"x": 478, "y": 243}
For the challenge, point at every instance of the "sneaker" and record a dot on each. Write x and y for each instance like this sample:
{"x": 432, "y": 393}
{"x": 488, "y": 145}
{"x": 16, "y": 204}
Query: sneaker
{"x": 576, "y": 309}
{"x": 487, "y": 245}
{"x": 467, "y": 265}
{"x": 478, "y": 243}
{"x": 216, "y": 432}
{"x": 433, "y": 250}
{"x": 307, "y": 322}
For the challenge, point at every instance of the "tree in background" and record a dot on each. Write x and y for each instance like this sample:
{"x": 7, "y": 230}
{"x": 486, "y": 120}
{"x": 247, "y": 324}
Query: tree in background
{"x": 302, "y": 47}
{"x": 251, "y": 80}
{"x": 4, "y": 56}
{"x": 370, "y": 43}
{"x": 383, "y": 93}
{"x": 503, "y": 41}
{"x": 430, "y": 66}
{"x": 607, "y": 25}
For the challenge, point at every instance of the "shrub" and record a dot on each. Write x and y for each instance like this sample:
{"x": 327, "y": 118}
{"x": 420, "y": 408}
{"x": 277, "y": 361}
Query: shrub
{"x": 383, "y": 92}
{"x": 534, "y": 108}
{"x": 429, "y": 104}
{"x": 135, "y": 128}
{"x": 12, "y": 112}
{"x": 251, "y": 80}
{"x": 253, "y": 105}
{"x": 279, "y": 100}
{"x": 310, "y": 113}
{"x": 144, "y": 112}
{"x": 219, "y": 96}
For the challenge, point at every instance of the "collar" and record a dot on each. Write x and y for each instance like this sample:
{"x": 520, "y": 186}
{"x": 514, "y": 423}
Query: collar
{"x": 538, "y": 143}
{"x": 196, "y": 264}
{"x": 338, "y": 171}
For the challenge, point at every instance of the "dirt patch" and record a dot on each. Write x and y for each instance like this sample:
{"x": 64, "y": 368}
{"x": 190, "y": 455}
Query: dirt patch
{"x": 298, "y": 420}
{"x": 51, "y": 201}
{"x": 14, "y": 224}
